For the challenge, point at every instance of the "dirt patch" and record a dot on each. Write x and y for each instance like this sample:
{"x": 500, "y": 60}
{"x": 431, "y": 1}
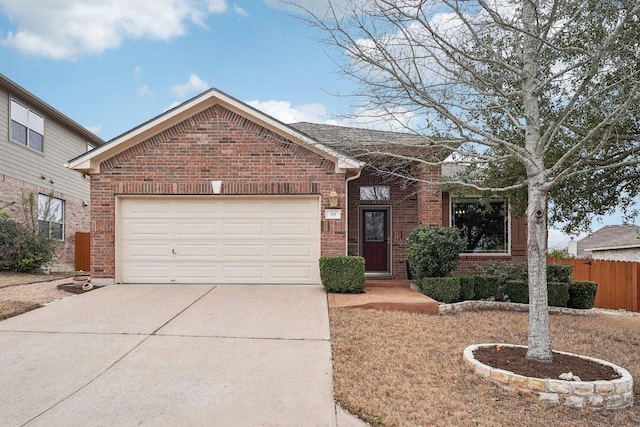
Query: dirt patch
{"x": 514, "y": 359}
{"x": 14, "y": 308}
{"x": 9, "y": 278}
{"x": 401, "y": 369}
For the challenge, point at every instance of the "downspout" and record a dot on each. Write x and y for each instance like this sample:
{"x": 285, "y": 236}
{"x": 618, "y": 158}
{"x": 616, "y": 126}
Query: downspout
{"x": 346, "y": 209}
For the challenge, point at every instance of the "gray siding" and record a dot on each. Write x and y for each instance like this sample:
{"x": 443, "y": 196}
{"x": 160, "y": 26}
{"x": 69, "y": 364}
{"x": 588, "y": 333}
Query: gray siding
{"x": 60, "y": 145}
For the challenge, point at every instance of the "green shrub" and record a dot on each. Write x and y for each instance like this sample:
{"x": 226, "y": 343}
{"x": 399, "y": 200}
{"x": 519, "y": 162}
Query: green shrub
{"x": 507, "y": 270}
{"x": 582, "y": 294}
{"x": 559, "y": 273}
{"x": 434, "y": 252}
{"x": 558, "y": 293}
{"x": 486, "y": 286}
{"x": 443, "y": 289}
{"x": 517, "y": 291}
{"x": 342, "y": 274}
{"x": 467, "y": 286}
{"x": 22, "y": 249}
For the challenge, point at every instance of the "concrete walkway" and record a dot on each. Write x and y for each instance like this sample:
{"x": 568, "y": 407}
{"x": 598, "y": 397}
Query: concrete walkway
{"x": 164, "y": 355}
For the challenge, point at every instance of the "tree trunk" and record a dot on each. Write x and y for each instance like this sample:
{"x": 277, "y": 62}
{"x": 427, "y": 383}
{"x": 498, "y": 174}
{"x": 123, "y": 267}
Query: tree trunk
{"x": 539, "y": 340}
{"x": 539, "y": 332}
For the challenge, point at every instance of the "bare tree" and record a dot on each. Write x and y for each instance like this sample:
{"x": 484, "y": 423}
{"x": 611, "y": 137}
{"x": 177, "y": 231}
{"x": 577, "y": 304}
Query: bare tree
{"x": 547, "y": 89}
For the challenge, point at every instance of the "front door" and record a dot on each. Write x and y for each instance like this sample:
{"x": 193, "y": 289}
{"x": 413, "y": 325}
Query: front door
{"x": 375, "y": 239}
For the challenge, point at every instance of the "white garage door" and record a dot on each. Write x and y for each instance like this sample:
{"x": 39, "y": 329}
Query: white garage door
{"x": 219, "y": 240}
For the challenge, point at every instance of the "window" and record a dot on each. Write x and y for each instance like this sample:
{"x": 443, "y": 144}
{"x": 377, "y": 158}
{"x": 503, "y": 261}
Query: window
{"x": 375, "y": 192}
{"x": 51, "y": 217}
{"x": 485, "y": 225}
{"x": 27, "y": 127}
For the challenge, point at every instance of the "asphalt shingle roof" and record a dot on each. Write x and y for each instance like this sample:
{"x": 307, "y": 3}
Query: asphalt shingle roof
{"x": 610, "y": 236}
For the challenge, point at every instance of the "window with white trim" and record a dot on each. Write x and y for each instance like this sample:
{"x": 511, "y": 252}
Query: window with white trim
{"x": 375, "y": 192}
{"x": 51, "y": 217}
{"x": 485, "y": 224}
{"x": 27, "y": 127}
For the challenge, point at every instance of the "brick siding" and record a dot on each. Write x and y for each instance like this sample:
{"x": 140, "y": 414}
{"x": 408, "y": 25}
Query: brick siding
{"x": 76, "y": 216}
{"x": 215, "y": 144}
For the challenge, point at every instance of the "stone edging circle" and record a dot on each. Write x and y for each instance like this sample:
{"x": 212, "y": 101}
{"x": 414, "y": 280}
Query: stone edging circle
{"x": 613, "y": 394}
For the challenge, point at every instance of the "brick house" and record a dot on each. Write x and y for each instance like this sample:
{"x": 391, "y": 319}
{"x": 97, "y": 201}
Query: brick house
{"x": 215, "y": 191}
{"x": 36, "y": 140}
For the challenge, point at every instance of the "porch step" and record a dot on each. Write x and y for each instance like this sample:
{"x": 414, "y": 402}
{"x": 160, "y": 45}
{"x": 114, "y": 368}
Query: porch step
{"x": 384, "y": 298}
{"x": 387, "y": 283}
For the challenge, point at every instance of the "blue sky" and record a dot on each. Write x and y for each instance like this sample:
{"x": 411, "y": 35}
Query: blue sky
{"x": 112, "y": 65}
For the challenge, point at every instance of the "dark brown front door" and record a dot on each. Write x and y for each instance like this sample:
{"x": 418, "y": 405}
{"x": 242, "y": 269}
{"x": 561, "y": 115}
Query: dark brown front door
{"x": 375, "y": 239}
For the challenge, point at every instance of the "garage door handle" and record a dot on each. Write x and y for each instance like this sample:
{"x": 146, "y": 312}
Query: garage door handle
{"x": 173, "y": 251}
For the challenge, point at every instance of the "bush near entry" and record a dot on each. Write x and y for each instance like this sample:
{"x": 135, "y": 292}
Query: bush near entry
{"x": 434, "y": 252}
{"x": 342, "y": 274}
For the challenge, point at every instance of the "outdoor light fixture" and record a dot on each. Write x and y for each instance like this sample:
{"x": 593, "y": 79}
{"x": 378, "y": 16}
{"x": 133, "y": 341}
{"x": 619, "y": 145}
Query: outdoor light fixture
{"x": 333, "y": 199}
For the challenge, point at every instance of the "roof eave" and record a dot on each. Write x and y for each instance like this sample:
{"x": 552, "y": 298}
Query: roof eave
{"x": 90, "y": 162}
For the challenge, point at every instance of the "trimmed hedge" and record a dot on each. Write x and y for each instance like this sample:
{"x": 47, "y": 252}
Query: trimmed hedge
{"x": 467, "y": 287}
{"x": 342, "y": 274}
{"x": 486, "y": 286}
{"x": 582, "y": 294}
{"x": 517, "y": 291}
{"x": 443, "y": 289}
{"x": 558, "y": 293}
{"x": 559, "y": 273}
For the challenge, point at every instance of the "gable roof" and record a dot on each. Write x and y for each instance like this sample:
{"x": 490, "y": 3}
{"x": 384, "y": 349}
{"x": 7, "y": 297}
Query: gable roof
{"x": 15, "y": 89}
{"x": 624, "y": 236}
{"x": 90, "y": 162}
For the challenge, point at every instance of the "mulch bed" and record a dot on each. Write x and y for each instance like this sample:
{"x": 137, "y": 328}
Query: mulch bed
{"x": 514, "y": 359}
{"x": 72, "y": 289}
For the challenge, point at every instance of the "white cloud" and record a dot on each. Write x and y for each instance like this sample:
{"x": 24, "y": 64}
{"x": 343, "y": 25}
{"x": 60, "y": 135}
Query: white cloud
{"x": 137, "y": 71}
{"x": 319, "y": 113}
{"x": 287, "y": 113}
{"x": 239, "y": 10}
{"x": 144, "y": 91}
{"x": 174, "y": 104}
{"x": 67, "y": 29}
{"x": 192, "y": 86}
{"x": 94, "y": 129}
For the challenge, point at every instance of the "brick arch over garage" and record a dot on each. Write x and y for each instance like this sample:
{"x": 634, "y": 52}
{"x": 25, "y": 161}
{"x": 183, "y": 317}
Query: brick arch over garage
{"x": 215, "y": 144}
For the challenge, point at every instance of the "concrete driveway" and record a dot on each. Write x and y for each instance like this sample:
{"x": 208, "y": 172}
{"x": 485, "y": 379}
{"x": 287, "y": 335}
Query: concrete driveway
{"x": 171, "y": 355}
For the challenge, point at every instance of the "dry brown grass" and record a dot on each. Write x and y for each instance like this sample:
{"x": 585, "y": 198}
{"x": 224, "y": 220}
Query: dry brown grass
{"x": 8, "y": 278}
{"x": 403, "y": 369}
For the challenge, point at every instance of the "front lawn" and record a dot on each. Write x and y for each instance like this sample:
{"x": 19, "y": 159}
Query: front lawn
{"x": 403, "y": 369}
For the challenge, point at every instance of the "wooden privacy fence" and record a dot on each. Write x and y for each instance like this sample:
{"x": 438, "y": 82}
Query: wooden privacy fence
{"x": 618, "y": 281}
{"x": 83, "y": 251}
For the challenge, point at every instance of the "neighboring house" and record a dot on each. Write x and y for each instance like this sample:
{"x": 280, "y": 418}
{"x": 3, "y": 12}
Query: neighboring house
{"x": 611, "y": 242}
{"x": 36, "y": 141}
{"x": 215, "y": 191}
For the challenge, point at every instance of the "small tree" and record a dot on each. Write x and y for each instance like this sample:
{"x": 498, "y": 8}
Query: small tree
{"x": 546, "y": 93}
{"x": 434, "y": 252}
{"x": 22, "y": 246}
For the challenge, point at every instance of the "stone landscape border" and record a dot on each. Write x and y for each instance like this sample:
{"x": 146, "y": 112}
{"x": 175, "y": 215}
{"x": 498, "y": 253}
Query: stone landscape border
{"x": 613, "y": 394}
{"x": 479, "y": 305}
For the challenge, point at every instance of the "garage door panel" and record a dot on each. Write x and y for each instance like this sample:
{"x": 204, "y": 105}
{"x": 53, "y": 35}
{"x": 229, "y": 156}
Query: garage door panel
{"x": 199, "y": 229}
{"x": 243, "y": 250}
{"x": 233, "y": 229}
{"x": 146, "y": 229}
{"x": 219, "y": 240}
{"x": 290, "y": 208}
{"x": 291, "y": 273}
{"x": 278, "y": 229}
{"x": 195, "y": 273}
{"x": 148, "y": 250}
{"x": 243, "y": 208}
{"x": 290, "y": 251}
{"x": 241, "y": 273}
{"x": 148, "y": 273}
